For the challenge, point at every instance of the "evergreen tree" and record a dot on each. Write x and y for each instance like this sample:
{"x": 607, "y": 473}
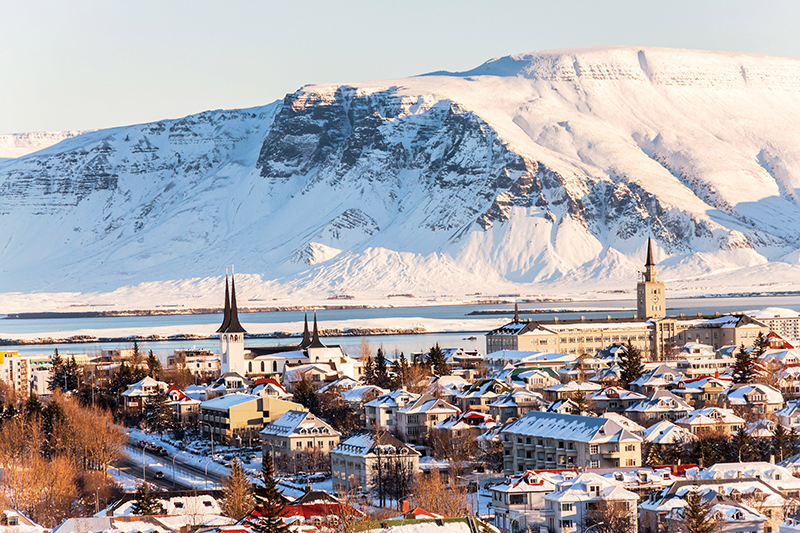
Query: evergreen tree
{"x": 146, "y": 503}
{"x": 742, "y": 446}
{"x": 401, "y": 370}
{"x": 158, "y": 413}
{"x": 270, "y": 505}
{"x": 696, "y": 517}
{"x": 630, "y": 363}
{"x": 369, "y": 371}
{"x": 153, "y": 365}
{"x": 33, "y": 407}
{"x": 744, "y": 368}
{"x": 781, "y": 444}
{"x": 793, "y": 442}
{"x": 760, "y": 346}
{"x": 654, "y": 456}
{"x": 53, "y": 417}
{"x": 382, "y": 378}
{"x": 437, "y": 361}
{"x": 305, "y": 395}
{"x": 238, "y": 493}
{"x": 72, "y": 371}
{"x": 56, "y": 379}
{"x": 581, "y": 403}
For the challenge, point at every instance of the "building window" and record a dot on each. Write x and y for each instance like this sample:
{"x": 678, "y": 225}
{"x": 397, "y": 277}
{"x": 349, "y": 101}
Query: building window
{"x": 566, "y": 524}
{"x": 593, "y": 449}
{"x": 566, "y": 507}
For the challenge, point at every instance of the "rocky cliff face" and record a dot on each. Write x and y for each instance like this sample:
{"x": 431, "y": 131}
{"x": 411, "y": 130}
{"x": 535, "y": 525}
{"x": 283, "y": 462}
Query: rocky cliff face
{"x": 543, "y": 170}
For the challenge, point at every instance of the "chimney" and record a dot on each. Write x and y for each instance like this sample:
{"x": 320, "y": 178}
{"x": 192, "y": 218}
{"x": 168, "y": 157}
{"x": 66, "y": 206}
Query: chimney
{"x": 583, "y": 318}
{"x": 555, "y": 319}
{"x": 405, "y": 506}
{"x": 608, "y": 317}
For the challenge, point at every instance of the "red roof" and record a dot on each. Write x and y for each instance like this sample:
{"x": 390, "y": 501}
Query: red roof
{"x": 269, "y": 381}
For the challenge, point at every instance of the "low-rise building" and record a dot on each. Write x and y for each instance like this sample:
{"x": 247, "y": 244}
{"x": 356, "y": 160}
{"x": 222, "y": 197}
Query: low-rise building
{"x": 185, "y": 410}
{"x": 480, "y": 394}
{"x": 298, "y": 441}
{"x": 613, "y": 399}
{"x": 541, "y": 440}
{"x": 758, "y": 397}
{"x": 514, "y": 404}
{"x": 660, "y": 378}
{"x": 468, "y": 426}
{"x": 417, "y": 418}
{"x": 568, "y": 390}
{"x": 357, "y": 461}
{"x": 666, "y": 433}
{"x": 237, "y": 418}
{"x": 711, "y": 419}
{"x": 518, "y": 502}
{"x": 381, "y": 413}
{"x": 141, "y": 393}
{"x": 662, "y": 405}
{"x": 576, "y": 504}
{"x": 701, "y": 390}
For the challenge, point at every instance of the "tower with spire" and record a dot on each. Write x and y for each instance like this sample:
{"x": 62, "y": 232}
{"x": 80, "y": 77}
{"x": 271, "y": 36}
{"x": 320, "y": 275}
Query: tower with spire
{"x": 650, "y": 297}
{"x": 231, "y": 332}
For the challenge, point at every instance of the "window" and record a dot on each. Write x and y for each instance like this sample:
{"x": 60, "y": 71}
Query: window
{"x": 566, "y": 524}
{"x": 527, "y": 440}
{"x": 593, "y": 449}
{"x": 566, "y": 507}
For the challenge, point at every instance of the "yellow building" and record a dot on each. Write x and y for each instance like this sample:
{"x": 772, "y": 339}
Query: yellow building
{"x": 242, "y": 416}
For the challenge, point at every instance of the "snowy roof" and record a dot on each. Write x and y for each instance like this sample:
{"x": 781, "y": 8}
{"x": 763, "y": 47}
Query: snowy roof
{"x": 695, "y": 385}
{"x": 660, "y": 401}
{"x": 710, "y": 416}
{"x": 467, "y": 420}
{"x": 388, "y": 401}
{"x": 744, "y": 393}
{"x": 773, "y": 475}
{"x": 356, "y": 394}
{"x": 515, "y": 398}
{"x": 227, "y": 401}
{"x": 609, "y": 393}
{"x": 363, "y": 444}
{"x": 659, "y": 376}
{"x": 299, "y": 423}
{"x": 569, "y": 427}
{"x": 529, "y": 481}
{"x": 578, "y": 489}
{"x": 343, "y": 383}
{"x": 429, "y": 404}
{"x": 623, "y": 421}
{"x": 666, "y": 432}
{"x": 484, "y": 388}
{"x": 574, "y": 386}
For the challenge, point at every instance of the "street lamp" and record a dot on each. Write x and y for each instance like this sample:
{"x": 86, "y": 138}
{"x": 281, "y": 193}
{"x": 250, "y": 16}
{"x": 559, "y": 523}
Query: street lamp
{"x": 210, "y": 432}
{"x": 144, "y": 478}
{"x": 594, "y": 525}
{"x": 207, "y": 463}
{"x": 173, "y": 466}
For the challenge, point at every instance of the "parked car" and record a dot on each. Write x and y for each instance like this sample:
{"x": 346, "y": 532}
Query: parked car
{"x": 158, "y": 474}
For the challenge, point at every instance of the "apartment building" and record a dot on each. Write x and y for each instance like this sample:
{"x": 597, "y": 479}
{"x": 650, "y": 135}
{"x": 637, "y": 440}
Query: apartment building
{"x": 542, "y": 440}
{"x": 359, "y": 459}
{"x": 381, "y": 413}
{"x": 296, "y": 437}
{"x": 237, "y": 418}
{"x": 573, "y": 501}
{"x": 417, "y": 418}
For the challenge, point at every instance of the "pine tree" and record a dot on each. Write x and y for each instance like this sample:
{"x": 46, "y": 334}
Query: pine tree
{"x": 743, "y": 446}
{"x": 654, "y": 455}
{"x": 760, "y": 345}
{"x": 56, "y": 379}
{"x": 369, "y": 371}
{"x": 438, "y": 362}
{"x": 270, "y": 505}
{"x": 696, "y": 517}
{"x": 33, "y": 407}
{"x": 382, "y": 378}
{"x": 238, "y": 499}
{"x": 305, "y": 395}
{"x": 581, "y": 403}
{"x": 153, "y": 365}
{"x": 781, "y": 443}
{"x": 71, "y": 371}
{"x": 793, "y": 442}
{"x": 158, "y": 413}
{"x": 146, "y": 503}
{"x": 400, "y": 368}
{"x": 630, "y": 363}
{"x": 743, "y": 369}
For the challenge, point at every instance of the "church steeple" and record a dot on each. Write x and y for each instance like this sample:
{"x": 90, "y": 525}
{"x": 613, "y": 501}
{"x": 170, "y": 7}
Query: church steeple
{"x": 516, "y": 313}
{"x": 306, "y": 335}
{"x": 649, "y": 265}
{"x": 226, "y": 313}
{"x": 234, "y": 326}
{"x": 315, "y": 342}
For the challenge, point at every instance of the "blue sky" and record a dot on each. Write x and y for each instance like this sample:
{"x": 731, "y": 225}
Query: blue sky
{"x": 83, "y": 65}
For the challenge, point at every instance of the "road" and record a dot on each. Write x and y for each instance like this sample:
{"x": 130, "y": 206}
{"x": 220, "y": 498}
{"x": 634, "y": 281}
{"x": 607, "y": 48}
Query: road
{"x": 132, "y": 465}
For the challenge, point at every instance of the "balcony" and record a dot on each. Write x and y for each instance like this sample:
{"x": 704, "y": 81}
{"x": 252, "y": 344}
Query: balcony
{"x": 611, "y": 454}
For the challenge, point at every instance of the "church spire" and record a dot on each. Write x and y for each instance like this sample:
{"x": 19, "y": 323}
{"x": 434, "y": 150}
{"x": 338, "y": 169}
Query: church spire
{"x": 649, "y": 261}
{"x": 516, "y": 312}
{"x": 226, "y": 313}
{"x": 315, "y": 342}
{"x": 234, "y": 326}
{"x": 306, "y": 335}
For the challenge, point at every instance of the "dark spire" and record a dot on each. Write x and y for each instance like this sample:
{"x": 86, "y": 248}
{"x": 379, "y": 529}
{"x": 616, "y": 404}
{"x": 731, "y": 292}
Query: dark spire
{"x": 516, "y": 312}
{"x": 649, "y": 261}
{"x": 226, "y": 314}
{"x": 234, "y": 326}
{"x": 306, "y": 335}
{"x": 315, "y": 342}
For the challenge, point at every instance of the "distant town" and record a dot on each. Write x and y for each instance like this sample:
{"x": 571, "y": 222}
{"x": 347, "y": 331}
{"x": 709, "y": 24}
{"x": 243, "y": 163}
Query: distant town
{"x": 647, "y": 424}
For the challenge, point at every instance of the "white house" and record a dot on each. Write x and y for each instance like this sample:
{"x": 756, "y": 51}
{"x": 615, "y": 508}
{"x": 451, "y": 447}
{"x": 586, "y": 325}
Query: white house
{"x": 573, "y": 500}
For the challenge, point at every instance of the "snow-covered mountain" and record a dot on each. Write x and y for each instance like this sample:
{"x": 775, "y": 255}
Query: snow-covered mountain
{"x": 18, "y": 144}
{"x": 544, "y": 172}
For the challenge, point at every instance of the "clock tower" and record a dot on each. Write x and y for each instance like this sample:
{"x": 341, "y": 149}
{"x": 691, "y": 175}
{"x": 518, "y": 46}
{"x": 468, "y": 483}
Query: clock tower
{"x": 650, "y": 298}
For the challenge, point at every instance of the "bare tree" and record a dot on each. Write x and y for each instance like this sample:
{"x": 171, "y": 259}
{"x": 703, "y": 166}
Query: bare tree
{"x": 610, "y": 516}
{"x": 434, "y": 494}
{"x": 239, "y": 500}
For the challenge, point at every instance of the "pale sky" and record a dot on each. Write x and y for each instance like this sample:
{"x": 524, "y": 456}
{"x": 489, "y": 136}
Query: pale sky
{"x": 96, "y": 64}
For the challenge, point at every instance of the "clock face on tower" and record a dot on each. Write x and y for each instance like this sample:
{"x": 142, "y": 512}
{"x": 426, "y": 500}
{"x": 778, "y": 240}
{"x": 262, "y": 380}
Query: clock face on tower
{"x": 655, "y": 298}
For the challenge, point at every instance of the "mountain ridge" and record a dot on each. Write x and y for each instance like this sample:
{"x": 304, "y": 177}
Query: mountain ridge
{"x": 550, "y": 176}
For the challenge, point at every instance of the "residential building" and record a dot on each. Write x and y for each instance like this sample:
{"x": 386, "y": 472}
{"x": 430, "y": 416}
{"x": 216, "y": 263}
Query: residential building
{"x": 417, "y": 418}
{"x": 711, "y": 419}
{"x": 703, "y": 390}
{"x": 237, "y": 418}
{"x": 468, "y": 425}
{"x": 198, "y": 361}
{"x": 573, "y": 501}
{"x": 358, "y": 460}
{"x": 613, "y": 399}
{"x": 624, "y": 421}
{"x": 789, "y": 416}
{"x": 185, "y": 410}
{"x": 480, "y": 394}
{"x": 381, "y": 413}
{"x": 661, "y": 377}
{"x": 298, "y": 441}
{"x": 514, "y": 404}
{"x": 776, "y": 476}
{"x": 662, "y": 405}
{"x": 758, "y": 397}
{"x": 568, "y": 390}
{"x": 717, "y": 330}
{"x": 786, "y": 324}
{"x": 518, "y": 502}
{"x": 541, "y": 440}
{"x": 141, "y": 393}
{"x": 666, "y": 433}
